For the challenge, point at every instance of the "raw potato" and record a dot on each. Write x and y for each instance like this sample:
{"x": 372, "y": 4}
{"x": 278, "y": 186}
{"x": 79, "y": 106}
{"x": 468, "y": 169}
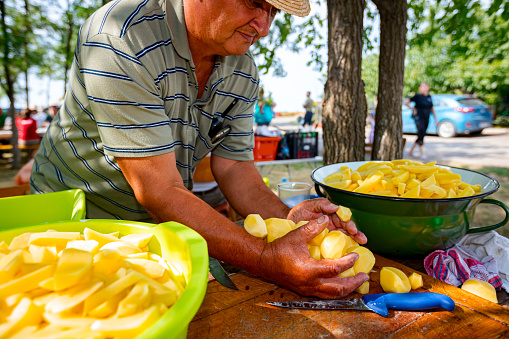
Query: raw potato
{"x": 63, "y": 285}
{"x": 402, "y": 178}
{"x": 363, "y": 289}
{"x": 333, "y": 245}
{"x": 314, "y": 252}
{"x": 366, "y": 259}
{"x": 255, "y": 225}
{"x": 344, "y": 213}
{"x": 394, "y": 280}
{"x": 415, "y": 280}
{"x": 276, "y": 228}
{"x": 481, "y": 288}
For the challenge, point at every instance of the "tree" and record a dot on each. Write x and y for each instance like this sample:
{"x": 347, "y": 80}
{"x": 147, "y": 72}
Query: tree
{"x": 344, "y": 113}
{"x": 388, "y": 142}
{"x": 11, "y": 56}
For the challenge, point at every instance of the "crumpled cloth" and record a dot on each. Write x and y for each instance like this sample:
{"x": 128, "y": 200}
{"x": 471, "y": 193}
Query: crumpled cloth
{"x": 483, "y": 256}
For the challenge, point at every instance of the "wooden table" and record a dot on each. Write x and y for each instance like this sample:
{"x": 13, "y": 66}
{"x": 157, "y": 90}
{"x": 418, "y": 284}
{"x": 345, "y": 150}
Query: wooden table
{"x": 244, "y": 314}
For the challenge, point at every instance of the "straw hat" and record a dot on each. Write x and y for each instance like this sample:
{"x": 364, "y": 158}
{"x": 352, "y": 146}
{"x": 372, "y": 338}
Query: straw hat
{"x": 294, "y": 7}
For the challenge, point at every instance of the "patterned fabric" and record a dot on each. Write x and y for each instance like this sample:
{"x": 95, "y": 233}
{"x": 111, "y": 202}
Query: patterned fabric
{"x": 456, "y": 266}
{"x": 133, "y": 93}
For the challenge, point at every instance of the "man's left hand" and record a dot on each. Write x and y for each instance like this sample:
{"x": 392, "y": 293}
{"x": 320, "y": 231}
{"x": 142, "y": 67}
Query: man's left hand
{"x": 315, "y": 208}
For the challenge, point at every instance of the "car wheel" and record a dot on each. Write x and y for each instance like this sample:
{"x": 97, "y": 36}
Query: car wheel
{"x": 446, "y": 129}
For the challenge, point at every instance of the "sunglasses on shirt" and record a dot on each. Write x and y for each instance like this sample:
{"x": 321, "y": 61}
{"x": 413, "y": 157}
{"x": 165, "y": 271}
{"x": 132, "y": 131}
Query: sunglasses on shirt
{"x": 216, "y": 131}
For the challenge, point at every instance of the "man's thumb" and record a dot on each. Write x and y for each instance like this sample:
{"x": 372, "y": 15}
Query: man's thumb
{"x": 312, "y": 228}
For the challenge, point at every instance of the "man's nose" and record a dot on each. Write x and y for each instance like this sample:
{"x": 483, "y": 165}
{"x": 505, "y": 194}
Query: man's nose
{"x": 263, "y": 19}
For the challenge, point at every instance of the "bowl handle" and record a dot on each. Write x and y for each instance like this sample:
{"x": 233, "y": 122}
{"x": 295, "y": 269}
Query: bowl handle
{"x": 492, "y": 227}
{"x": 319, "y": 191}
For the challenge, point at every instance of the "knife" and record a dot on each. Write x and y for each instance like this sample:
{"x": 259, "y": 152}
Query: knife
{"x": 379, "y": 303}
{"x": 220, "y": 274}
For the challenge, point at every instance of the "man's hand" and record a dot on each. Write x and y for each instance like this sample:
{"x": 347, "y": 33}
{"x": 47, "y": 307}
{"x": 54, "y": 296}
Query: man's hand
{"x": 315, "y": 208}
{"x": 287, "y": 261}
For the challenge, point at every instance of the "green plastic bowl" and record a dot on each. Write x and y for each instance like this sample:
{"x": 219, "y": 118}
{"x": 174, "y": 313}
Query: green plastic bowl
{"x": 411, "y": 228}
{"x": 185, "y": 248}
{"x": 35, "y": 209}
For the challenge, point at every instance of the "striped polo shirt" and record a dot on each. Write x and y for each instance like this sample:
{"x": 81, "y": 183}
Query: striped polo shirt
{"x": 134, "y": 93}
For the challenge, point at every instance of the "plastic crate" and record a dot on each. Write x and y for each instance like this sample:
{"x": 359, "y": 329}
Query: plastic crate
{"x": 303, "y": 144}
{"x": 179, "y": 244}
{"x": 265, "y": 148}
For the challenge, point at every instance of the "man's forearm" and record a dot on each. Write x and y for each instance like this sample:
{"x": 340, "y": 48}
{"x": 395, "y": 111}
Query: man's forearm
{"x": 226, "y": 241}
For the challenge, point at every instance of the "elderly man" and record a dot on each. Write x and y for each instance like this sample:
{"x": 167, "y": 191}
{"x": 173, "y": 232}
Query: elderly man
{"x": 157, "y": 85}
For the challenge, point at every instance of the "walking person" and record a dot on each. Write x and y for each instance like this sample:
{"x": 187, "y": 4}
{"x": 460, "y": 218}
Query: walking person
{"x": 308, "y": 105}
{"x": 421, "y": 111}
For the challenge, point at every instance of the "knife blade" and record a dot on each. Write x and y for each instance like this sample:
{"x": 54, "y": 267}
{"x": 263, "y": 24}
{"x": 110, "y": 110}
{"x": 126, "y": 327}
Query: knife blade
{"x": 379, "y": 303}
{"x": 220, "y": 274}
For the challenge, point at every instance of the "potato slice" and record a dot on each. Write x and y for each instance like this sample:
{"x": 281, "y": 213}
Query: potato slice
{"x": 136, "y": 299}
{"x": 480, "y": 288}
{"x": 394, "y": 280}
{"x": 101, "y": 238}
{"x": 20, "y": 242}
{"x": 26, "y": 282}
{"x": 348, "y": 273}
{"x": 123, "y": 247}
{"x": 366, "y": 259}
{"x": 57, "y": 239}
{"x": 139, "y": 240}
{"x": 344, "y": 213}
{"x": 91, "y": 246}
{"x": 43, "y": 254}
{"x": 255, "y": 225}
{"x": 25, "y": 314}
{"x": 300, "y": 223}
{"x": 369, "y": 182}
{"x": 317, "y": 241}
{"x": 415, "y": 280}
{"x": 73, "y": 296}
{"x": 333, "y": 245}
{"x": 150, "y": 268}
{"x": 314, "y": 252}
{"x": 363, "y": 289}
{"x": 276, "y": 228}
{"x": 128, "y": 327}
{"x": 350, "y": 243}
{"x": 74, "y": 266}
{"x": 10, "y": 265}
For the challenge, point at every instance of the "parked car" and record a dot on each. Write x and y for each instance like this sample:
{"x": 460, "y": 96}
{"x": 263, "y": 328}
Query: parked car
{"x": 456, "y": 114}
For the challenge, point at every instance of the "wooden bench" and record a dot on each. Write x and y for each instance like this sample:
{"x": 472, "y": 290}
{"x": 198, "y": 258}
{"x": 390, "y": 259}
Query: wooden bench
{"x": 13, "y": 191}
{"x": 21, "y": 147}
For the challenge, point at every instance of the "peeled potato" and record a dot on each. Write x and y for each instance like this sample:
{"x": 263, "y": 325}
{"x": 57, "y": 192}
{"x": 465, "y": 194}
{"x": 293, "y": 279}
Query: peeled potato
{"x": 366, "y": 259}
{"x": 394, "y": 280}
{"x": 481, "y": 288}
{"x": 344, "y": 213}
{"x": 317, "y": 241}
{"x": 255, "y": 225}
{"x": 363, "y": 289}
{"x": 314, "y": 252}
{"x": 276, "y": 228}
{"x": 415, "y": 280}
{"x": 348, "y": 273}
{"x": 333, "y": 245}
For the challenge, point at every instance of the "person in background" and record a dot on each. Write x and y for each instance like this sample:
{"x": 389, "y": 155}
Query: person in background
{"x": 421, "y": 112}
{"x": 40, "y": 116}
{"x": 308, "y": 105}
{"x": 27, "y": 130}
{"x": 52, "y": 112}
{"x": 263, "y": 112}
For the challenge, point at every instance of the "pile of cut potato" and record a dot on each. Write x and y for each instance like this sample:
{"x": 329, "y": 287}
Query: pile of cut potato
{"x": 402, "y": 178}
{"x": 334, "y": 245}
{"x": 92, "y": 285}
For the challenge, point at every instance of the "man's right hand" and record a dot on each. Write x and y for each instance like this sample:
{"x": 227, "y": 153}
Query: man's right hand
{"x": 287, "y": 261}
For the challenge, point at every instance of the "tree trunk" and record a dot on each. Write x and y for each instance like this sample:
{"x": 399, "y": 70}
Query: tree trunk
{"x": 25, "y": 48}
{"x": 344, "y": 114}
{"x": 9, "y": 87}
{"x": 388, "y": 138}
{"x": 68, "y": 51}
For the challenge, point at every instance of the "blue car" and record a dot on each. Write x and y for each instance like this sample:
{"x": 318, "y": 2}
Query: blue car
{"x": 456, "y": 114}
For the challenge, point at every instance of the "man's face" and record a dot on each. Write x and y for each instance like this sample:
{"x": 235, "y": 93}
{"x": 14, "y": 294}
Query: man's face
{"x": 230, "y": 27}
